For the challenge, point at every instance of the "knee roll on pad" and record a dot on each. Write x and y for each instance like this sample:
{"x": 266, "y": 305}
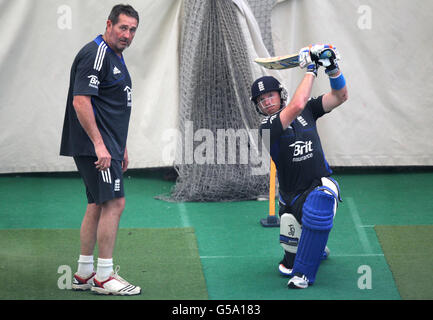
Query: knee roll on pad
{"x": 318, "y": 211}
{"x": 290, "y": 232}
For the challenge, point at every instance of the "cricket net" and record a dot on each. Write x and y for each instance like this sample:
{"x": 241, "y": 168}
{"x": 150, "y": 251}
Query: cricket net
{"x": 218, "y": 149}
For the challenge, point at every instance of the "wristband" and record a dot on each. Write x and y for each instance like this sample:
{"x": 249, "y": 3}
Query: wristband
{"x": 337, "y": 83}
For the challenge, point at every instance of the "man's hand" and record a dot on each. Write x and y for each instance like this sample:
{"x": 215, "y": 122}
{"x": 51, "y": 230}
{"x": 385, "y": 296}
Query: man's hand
{"x": 306, "y": 61}
{"x": 83, "y": 108}
{"x": 104, "y": 157}
{"x": 304, "y": 58}
{"x": 327, "y": 56}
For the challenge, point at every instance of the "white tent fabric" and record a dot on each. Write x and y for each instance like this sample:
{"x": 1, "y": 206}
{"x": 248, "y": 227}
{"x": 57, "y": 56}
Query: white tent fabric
{"x": 385, "y": 46}
{"x": 40, "y": 41}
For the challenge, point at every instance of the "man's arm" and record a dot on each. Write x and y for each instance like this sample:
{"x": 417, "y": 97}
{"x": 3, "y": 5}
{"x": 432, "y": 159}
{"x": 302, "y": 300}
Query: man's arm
{"x": 335, "y": 97}
{"x": 298, "y": 101}
{"x": 338, "y": 93}
{"x": 83, "y": 108}
{"x": 303, "y": 92}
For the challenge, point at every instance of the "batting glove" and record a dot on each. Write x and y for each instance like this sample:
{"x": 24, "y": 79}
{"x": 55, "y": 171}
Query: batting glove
{"x": 326, "y": 56}
{"x": 306, "y": 61}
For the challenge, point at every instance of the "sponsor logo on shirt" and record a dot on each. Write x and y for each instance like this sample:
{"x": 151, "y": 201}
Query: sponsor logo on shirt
{"x": 302, "y": 150}
{"x": 94, "y": 82}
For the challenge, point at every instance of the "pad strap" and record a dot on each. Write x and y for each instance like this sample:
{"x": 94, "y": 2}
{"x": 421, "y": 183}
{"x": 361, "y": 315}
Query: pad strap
{"x": 325, "y": 188}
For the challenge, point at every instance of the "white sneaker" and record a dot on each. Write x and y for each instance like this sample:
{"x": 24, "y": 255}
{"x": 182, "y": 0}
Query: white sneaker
{"x": 80, "y": 283}
{"x": 299, "y": 281}
{"x": 115, "y": 285}
{"x": 284, "y": 271}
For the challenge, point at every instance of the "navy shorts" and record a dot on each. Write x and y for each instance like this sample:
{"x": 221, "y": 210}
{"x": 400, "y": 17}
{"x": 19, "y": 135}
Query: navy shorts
{"x": 101, "y": 186}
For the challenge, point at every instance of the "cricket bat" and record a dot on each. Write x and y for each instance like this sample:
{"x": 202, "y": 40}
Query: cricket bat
{"x": 279, "y": 62}
{"x": 285, "y": 62}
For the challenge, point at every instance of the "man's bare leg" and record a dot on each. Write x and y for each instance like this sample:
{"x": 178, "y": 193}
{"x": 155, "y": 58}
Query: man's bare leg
{"x": 106, "y": 281}
{"x": 89, "y": 228}
{"x": 108, "y": 226}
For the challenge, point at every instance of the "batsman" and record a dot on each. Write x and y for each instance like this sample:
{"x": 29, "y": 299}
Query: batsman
{"x": 308, "y": 196}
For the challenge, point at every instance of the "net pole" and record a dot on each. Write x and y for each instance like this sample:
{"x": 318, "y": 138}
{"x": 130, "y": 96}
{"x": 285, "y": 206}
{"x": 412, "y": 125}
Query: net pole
{"x": 271, "y": 220}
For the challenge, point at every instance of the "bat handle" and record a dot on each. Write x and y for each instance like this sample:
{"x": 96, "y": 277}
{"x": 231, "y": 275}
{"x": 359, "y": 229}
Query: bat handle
{"x": 326, "y": 54}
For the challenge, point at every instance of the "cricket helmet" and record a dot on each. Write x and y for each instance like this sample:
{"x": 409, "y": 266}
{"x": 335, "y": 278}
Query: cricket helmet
{"x": 267, "y": 84}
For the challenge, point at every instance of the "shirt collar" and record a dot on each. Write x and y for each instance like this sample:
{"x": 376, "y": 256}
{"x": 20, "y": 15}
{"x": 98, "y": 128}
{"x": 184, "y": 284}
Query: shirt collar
{"x": 100, "y": 39}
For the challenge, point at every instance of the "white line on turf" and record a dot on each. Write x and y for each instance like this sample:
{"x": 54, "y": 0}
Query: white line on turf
{"x": 183, "y": 215}
{"x": 269, "y": 257}
{"x": 357, "y": 222}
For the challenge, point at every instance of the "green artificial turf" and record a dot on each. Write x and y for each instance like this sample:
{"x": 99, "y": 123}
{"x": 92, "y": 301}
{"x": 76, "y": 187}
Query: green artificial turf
{"x": 39, "y": 263}
{"x": 409, "y": 253}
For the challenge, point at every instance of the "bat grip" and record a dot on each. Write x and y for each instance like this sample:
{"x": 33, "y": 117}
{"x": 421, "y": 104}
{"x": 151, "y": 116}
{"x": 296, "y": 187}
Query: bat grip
{"x": 326, "y": 54}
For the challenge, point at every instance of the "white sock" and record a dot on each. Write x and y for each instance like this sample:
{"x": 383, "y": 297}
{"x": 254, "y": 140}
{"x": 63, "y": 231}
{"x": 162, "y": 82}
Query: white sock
{"x": 104, "y": 269}
{"x": 85, "y": 265}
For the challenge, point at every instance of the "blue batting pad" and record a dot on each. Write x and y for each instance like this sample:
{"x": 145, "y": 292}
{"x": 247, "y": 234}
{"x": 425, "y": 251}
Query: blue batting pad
{"x": 317, "y": 221}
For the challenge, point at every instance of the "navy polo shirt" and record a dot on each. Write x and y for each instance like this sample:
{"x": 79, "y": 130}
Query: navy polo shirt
{"x": 297, "y": 151}
{"x": 98, "y": 72}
